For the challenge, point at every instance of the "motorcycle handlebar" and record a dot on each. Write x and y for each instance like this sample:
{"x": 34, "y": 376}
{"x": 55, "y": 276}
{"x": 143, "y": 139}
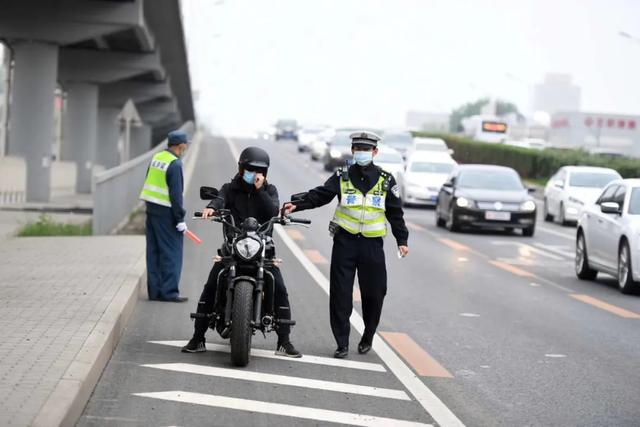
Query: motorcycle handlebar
{"x": 300, "y": 220}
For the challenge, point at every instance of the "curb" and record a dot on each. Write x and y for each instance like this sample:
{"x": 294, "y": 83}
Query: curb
{"x": 68, "y": 400}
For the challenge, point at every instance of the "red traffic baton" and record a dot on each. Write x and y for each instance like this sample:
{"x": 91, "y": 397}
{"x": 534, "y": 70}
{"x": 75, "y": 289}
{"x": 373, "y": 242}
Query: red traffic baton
{"x": 193, "y": 237}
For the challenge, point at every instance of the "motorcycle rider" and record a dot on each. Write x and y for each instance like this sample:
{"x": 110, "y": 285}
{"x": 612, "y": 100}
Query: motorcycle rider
{"x": 247, "y": 195}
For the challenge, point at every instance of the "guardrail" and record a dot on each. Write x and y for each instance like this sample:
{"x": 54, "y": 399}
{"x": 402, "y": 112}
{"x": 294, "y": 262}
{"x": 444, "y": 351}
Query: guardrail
{"x": 117, "y": 190}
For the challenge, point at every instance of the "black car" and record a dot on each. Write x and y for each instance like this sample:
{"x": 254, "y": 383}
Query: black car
{"x": 286, "y": 129}
{"x": 485, "y": 196}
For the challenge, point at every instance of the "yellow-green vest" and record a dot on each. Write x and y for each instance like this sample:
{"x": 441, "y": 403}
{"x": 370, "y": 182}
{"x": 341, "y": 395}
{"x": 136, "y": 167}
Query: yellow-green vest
{"x": 359, "y": 213}
{"x": 155, "y": 189}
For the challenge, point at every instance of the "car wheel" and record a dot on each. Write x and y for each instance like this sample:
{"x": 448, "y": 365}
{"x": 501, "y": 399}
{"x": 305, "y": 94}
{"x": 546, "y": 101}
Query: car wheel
{"x": 625, "y": 273}
{"x": 529, "y": 231}
{"x": 547, "y": 216}
{"x": 583, "y": 271}
{"x": 327, "y": 167}
{"x": 452, "y": 223}
{"x": 439, "y": 221}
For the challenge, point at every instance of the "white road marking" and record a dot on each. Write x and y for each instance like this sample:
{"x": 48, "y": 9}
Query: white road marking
{"x": 255, "y": 352}
{"x": 535, "y": 285}
{"x": 469, "y": 315}
{"x": 303, "y": 412}
{"x": 526, "y": 247}
{"x": 238, "y": 374}
{"x": 556, "y": 233}
{"x": 533, "y": 263}
{"x": 463, "y": 259}
{"x": 555, "y": 355}
{"x": 423, "y": 394}
{"x": 557, "y": 249}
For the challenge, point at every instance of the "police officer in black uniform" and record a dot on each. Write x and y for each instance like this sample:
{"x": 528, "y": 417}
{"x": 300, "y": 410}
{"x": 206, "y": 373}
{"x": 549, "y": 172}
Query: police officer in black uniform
{"x": 367, "y": 198}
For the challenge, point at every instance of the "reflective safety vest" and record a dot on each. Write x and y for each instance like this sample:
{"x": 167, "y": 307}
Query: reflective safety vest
{"x": 359, "y": 213}
{"x": 155, "y": 189}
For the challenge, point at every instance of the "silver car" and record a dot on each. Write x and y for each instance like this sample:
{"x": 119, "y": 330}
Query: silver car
{"x": 608, "y": 238}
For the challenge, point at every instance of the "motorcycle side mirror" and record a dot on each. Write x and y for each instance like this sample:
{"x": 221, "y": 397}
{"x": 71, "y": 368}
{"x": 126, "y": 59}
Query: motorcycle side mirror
{"x": 208, "y": 193}
{"x": 298, "y": 197}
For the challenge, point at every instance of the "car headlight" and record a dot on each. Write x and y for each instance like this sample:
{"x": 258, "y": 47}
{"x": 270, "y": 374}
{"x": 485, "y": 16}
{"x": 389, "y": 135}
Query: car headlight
{"x": 576, "y": 201}
{"x": 528, "y": 206}
{"x": 248, "y": 248}
{"x": 463, "y": 202}
{"x": 335, "y": 153}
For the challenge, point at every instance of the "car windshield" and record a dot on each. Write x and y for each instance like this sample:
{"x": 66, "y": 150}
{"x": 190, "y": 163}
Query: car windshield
{"x": 634, "y": 202}
{"x": 388, "y": 157}
{"x": 431, "y": 167}
{"x": 398, "y": 140}
{"x": 591, "y": 179}
{"x": 490, "y": 180}
{"x": 430, "y": 146}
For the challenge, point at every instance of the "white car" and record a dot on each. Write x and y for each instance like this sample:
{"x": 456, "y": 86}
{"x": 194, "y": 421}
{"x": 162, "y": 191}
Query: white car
{"x": 572, "y": 188}
{"x": 608, "y": 238}
{"x": 423, "y": 177}
{"x": 390, "y": 160}
{"x": 319, "y": 144}
{"x": 429, "y": 144}
{"x": 308, "y": 135}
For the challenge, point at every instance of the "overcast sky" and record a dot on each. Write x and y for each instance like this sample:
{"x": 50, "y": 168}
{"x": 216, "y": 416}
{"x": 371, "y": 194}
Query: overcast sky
{"x": 367, "y": 62}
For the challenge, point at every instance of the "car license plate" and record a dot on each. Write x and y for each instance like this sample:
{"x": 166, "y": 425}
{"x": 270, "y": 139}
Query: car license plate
{"x": 497, "y": 216}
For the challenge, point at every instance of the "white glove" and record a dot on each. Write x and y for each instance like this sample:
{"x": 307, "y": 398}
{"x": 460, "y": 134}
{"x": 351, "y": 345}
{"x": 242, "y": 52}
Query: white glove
{"x": 181, "y": 227}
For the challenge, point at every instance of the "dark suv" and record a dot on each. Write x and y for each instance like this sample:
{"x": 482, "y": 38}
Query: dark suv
{"x": 287, "y": 129}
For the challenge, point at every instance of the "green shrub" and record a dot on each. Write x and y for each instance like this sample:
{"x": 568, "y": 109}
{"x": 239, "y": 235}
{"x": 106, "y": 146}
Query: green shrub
{"x": 536, "y": 165}
{"x": 44, "y": 226}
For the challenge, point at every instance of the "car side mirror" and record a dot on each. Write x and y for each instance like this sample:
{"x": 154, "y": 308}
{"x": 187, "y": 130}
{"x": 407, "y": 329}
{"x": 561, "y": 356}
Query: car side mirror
{"x": 610, "y": 208}
{"x": 208, "y": 193}
{"x": 558, "y": 183}
{"x": 531, "y": 190}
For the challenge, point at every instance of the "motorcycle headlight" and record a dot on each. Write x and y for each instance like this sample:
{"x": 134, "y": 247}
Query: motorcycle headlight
{"x": 335, "y": 153}
{"x": 248, "y": 248}
{"x": 528, "y": 206}
{"x": 463, "y": 202}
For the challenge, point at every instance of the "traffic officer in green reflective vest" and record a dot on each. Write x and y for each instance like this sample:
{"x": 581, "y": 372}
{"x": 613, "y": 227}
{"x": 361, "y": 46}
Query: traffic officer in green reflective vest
{"x": 368, "y": 197}
{"x": 165, "y": 226}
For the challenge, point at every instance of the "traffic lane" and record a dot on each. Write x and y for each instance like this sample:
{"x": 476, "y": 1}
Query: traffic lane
{"x": 499, "y": 336}
{"x": 462, "y": 303}
{"x": 139, "y": 362}
{"x": 544, "y": 256}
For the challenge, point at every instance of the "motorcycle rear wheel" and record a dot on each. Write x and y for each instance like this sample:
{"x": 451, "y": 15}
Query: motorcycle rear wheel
{"x": 241, "y": 332}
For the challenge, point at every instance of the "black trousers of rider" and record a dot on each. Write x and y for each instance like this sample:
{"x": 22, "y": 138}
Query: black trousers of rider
{"x": 351, "y": 254}
{"x": 208, "y": 297}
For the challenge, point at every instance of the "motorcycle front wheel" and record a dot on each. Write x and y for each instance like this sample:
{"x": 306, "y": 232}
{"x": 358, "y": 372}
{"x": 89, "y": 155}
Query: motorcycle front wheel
{"x": 241, "y": 332}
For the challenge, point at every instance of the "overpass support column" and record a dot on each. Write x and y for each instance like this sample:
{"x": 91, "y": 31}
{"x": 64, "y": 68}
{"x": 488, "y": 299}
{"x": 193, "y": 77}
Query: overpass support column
{"x": 140, "y": 140}
{"x": 81, "y": 130}
{"x": 31, "y": 121}
{"x": 107, "y": 153}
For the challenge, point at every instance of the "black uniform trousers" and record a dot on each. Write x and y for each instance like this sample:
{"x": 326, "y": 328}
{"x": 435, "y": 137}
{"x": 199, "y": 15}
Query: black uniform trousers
{"x": 208, "y": 298}
{"x": 365, "y": 255}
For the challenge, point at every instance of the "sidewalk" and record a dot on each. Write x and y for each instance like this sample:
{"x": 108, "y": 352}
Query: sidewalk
{"x": 63, "y": 304}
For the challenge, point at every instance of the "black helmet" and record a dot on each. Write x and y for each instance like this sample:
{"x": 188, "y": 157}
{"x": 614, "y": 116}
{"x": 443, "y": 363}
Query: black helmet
{"x": 254, "y": 157}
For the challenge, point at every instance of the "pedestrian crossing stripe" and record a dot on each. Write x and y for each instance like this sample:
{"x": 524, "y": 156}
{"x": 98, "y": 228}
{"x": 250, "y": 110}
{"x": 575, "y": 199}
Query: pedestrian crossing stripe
{"x": 282, "y": 380}
{"x": 268, "y": 354}
{"x": 256, "y": 406}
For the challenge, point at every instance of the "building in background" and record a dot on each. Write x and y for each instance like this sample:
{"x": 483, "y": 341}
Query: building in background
{"x": 425, "y": 121}
{"x": 596, "y": 132}
{"x": 556, "y": 93}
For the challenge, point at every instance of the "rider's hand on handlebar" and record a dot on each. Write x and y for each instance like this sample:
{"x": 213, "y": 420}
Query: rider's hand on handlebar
{"x": 208, "y": 213}
{"x": 288, "y": 208}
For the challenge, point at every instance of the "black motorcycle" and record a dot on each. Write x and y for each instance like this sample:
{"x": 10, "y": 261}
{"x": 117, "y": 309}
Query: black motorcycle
{"x": 246, "y": 288}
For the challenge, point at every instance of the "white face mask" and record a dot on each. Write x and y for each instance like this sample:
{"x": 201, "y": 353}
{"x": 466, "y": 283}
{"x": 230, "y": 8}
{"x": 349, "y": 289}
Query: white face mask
{"x": 363, "y": 158}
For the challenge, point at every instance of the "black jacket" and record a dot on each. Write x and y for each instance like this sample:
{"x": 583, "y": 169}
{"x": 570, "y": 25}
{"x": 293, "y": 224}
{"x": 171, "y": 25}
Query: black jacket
{"x": 364, "y": 179}
{"x": 246, "y": 201}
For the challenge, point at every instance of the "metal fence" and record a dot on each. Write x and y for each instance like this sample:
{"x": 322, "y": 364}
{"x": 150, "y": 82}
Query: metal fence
{"x": 117, "y": 190}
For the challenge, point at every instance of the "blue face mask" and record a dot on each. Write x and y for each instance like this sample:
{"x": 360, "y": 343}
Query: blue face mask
{"x": 363, "y": 158}
{"x": 249, "y": 177}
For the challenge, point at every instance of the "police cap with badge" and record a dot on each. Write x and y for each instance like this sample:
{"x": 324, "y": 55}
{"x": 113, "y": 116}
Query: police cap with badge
{"x": 365, "y": 138}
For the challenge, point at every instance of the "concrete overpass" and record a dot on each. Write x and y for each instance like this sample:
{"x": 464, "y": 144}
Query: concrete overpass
{"x": 101, "y": 53}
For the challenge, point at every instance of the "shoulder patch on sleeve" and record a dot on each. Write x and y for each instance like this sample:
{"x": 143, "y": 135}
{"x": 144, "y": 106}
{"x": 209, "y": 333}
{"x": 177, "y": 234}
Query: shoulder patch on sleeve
{"x": 395, "y": 191}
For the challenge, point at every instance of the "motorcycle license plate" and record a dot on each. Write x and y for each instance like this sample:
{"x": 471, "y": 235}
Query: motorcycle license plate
{"x": 497, "y": 216}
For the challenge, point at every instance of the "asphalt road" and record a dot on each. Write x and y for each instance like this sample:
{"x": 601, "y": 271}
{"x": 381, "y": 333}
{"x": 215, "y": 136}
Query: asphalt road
{"x": 496, "y": 327}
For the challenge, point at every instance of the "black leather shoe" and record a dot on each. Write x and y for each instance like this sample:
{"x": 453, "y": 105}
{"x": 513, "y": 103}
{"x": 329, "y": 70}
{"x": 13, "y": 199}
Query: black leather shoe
{"x": 364, "y": 347}
{"x": 177, "y": 299}
{"x": 341, "y": 352}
